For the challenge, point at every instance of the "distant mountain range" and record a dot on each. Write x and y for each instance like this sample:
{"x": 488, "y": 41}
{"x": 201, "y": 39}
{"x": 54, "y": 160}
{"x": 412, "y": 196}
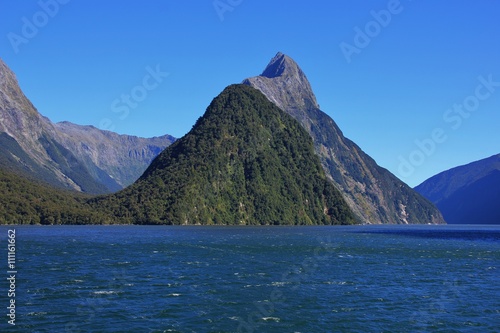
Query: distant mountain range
{"x": 374, "y": 194}
{"x": 468, "y": 194}
{"x": 82, "y": 158}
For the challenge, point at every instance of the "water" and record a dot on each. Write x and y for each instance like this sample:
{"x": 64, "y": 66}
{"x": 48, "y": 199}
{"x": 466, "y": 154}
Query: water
{"x": 254, "y": 279}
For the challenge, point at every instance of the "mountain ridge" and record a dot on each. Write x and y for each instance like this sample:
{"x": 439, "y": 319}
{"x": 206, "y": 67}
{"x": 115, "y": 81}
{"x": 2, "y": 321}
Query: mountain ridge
{"x": 123, "y": 157}
{"x": 21, "y": 121}
{"x": 373, "y": 193}
{"x": 467, "y": 173}
{"x": 64, "y": 154}
{"x": 467, "y": 194}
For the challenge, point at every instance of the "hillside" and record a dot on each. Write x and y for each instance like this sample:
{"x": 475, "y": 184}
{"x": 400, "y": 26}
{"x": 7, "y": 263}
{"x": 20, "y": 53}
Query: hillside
{"x": 468, "y": 194}
{"x": 25, "y": 201}
{"x": 244, "y": 162}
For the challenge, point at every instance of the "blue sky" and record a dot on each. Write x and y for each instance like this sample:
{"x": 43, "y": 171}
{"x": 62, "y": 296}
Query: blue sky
{"x": 413, "y": 83}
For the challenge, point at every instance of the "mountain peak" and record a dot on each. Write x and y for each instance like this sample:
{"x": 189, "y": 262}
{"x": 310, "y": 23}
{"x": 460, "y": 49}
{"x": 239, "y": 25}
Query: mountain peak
{"x": 285, "y": 84}
{"x": 245, "y": 161}
{"x": 280, "y": 65}
{"x": 374, "y": 194}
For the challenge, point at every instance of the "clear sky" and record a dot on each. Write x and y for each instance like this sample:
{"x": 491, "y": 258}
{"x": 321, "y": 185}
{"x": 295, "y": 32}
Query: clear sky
{"x": 415, "y": 83}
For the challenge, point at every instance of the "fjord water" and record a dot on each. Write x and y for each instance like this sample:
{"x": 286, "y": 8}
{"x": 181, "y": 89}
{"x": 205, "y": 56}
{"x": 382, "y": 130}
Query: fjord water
{"x": 255, "y": 279}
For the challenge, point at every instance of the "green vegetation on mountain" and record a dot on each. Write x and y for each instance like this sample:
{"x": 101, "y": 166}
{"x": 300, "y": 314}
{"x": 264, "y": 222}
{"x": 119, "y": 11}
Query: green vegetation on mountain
{"x": 23, "y": 201}
{"x": 244, "y": 162}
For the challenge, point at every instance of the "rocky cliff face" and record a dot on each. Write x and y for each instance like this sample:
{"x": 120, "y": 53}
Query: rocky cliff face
{"x": 18, "y": 117}
{"x": 373, "y": 193}
{"x": 123, "y": 157}
{"x": 81, "y": 158}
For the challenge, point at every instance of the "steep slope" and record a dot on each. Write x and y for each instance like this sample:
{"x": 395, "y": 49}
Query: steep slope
{"x": 14, "y": 159}
{"x": 81, "y": 158}
{"x": 373, "y": 193}
{"x": 31, "y": 132}
{"x": 444, "y": 184}
{"x": 122, "y": 157}
{"x": 467, "y": 194}
{"x": 244, "y": 162}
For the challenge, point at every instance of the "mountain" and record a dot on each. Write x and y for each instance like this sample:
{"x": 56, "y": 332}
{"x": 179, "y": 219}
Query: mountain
{"x": 80, "y": 158}
{"x": 245, "y": 161}
{"x": 468, "y": 194}
{"x": 28, "y": 146}
{"x": 374, "y": 194}
{"x": 123, "y": 157}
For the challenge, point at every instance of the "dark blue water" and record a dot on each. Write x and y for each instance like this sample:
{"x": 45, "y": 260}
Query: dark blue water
{"x": 254, "y": 279}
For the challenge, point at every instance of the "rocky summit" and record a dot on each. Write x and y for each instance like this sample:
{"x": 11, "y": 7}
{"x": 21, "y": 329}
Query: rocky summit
{"x": 374, "y": 194}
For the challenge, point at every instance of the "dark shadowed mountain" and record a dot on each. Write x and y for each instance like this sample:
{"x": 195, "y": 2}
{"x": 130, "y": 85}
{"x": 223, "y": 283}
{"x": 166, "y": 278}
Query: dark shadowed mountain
{"x": 244, "y": 162}
{"x": 81, "y": 158}
{"x": 373, "y": 193}
{"x": 468, "y": 194}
